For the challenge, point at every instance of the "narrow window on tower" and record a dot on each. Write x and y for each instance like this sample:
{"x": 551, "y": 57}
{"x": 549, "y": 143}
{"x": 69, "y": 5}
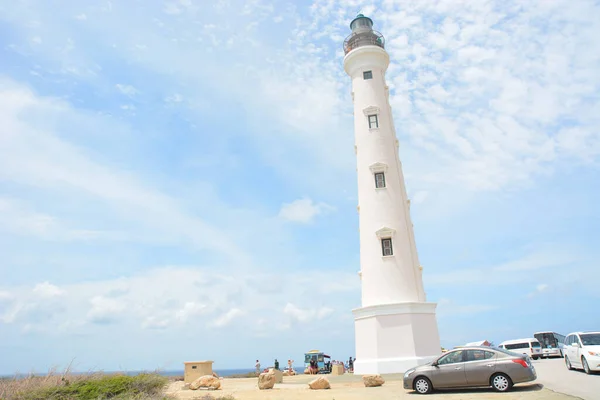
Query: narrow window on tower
{"x": 373, "y": 122}
{"x": 379, "y": 180}
{"x": 368, "y": 75}
{"x": 386, "y": 247}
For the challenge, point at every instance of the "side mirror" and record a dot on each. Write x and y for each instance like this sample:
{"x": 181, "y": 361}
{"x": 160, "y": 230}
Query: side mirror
{"x": 434, "y": 364}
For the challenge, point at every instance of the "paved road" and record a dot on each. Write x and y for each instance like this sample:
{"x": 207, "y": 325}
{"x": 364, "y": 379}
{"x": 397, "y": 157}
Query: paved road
{"x": 553, "y": 374}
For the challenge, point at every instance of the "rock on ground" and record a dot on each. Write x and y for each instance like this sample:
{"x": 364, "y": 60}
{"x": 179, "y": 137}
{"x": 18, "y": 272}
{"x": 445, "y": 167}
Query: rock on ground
{"x": 266, "y": 380}
{"x": 206, "y": 382}
{"x": 373, "y": 380}
{"x": 319, "y": 383}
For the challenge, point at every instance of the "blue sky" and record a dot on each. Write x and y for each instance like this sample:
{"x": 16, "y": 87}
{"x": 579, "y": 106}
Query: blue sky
{"x": 177, "y": 179}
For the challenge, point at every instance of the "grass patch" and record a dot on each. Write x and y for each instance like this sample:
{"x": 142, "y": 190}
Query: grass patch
{"x": 95, "y": 386}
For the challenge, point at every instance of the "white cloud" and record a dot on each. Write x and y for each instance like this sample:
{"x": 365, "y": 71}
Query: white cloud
{"x": 545, "y": 257}
{"x": 175, "y": 98}
{"x": 105, "y": 310}
{"x": 15, "y": 217}
{"x": 47, "y": 290}
{"x": 306, "y": 315}
{"x": 127, "y": 90}
{"x": 190, "y": 310}
{"x": 227, "y": 318}
{"x": 81, "y": 17}
{"x": 32, "y": 154}
{"x": 541, "y": 288}
{"x": 153, "y": 322}
{"x": 193, "y": 297}
{"x": 303, "y": 210}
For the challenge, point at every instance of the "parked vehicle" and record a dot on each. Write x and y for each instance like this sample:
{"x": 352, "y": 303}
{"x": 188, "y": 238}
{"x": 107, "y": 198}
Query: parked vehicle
{"x": 476, "y": 366}
{"x": 530, "y": 347}
{"x": 553, "y": 343}
{"x": 320, "y": 358}
{"x": 582, "y": 351}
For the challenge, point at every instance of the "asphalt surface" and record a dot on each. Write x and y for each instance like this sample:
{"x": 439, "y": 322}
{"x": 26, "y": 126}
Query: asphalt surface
{"x": 554, "y": 375}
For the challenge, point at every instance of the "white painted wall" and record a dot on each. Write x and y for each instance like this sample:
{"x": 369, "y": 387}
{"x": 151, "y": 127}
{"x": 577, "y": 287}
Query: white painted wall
{"x": 393, "y": 338}
{"x": 397, "y": 278}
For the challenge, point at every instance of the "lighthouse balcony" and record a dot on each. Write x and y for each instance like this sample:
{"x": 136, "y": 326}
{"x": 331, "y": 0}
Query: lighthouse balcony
{"x": 360, "y": 39}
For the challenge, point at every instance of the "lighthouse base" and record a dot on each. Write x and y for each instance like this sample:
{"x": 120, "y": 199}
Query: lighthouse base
{"x": 392, "y": 338}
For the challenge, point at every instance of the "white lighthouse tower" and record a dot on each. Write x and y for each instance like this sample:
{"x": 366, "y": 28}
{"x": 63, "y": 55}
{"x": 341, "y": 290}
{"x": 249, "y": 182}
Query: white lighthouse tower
{"x": 395, "y": 328}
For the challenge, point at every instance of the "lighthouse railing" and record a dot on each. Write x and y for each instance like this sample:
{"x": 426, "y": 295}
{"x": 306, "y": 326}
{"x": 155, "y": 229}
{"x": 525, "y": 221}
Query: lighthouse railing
{"x": 370, "y": 38}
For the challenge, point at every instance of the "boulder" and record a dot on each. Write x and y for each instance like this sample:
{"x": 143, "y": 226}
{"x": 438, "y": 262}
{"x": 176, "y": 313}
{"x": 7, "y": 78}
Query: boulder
{"x": 373, "y": 380}
{"x": 266, "y": 380}
{"x": 319, "y": 383}
{"x": 206, "y": 382}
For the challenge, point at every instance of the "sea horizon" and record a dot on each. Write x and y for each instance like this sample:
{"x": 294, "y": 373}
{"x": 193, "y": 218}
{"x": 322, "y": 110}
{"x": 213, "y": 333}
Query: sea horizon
{"x": 225, "y": 372}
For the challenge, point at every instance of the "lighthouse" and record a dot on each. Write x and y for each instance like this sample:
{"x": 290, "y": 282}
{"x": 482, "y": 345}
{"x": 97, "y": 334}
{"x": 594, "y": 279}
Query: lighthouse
{"x": 395, "y": 327}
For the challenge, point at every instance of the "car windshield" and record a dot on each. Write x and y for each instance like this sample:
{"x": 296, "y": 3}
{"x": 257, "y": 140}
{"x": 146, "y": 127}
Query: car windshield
{"x": 590, "y": 339}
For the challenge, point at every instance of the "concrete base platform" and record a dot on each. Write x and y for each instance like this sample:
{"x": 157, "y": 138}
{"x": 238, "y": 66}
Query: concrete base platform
{"x": 393, "y": 338}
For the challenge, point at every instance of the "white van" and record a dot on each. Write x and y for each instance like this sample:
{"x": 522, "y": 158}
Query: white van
{"x": 582, "y": 351}
{"x": 530, "y": 347}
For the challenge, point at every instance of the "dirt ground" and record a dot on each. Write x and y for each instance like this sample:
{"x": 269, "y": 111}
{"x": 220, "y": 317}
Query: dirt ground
{"x": 350, "y": 387}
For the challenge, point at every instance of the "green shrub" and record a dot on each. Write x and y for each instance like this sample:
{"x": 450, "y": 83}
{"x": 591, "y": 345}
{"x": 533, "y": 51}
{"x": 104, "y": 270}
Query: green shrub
{"x": 102, "y": 387}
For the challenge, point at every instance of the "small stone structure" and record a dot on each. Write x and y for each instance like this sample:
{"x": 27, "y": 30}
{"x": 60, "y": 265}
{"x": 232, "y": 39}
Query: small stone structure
{"x": 195, "y": 369}
{"x": 319, "y": 383}
{"x": 206, "y": 382}
{"x": 337, "y": 369}
{"x": 373, "y": 380}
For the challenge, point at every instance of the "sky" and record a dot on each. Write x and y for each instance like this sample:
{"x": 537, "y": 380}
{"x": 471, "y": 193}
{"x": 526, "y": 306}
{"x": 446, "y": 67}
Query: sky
{"x": 177, "y": 178}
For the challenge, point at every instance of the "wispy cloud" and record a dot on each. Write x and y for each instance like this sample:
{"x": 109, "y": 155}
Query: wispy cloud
{"x": 303, "y": 210}
{"x": 127, "y": 90}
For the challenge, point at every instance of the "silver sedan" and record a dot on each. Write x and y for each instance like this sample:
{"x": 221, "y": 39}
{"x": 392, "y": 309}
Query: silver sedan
{"x": 471, "y": 367}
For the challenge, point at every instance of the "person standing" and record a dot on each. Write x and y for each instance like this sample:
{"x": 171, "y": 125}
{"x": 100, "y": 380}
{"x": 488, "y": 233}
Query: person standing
{"x": 276, "y": 365}
{"x": 257, "y": 367}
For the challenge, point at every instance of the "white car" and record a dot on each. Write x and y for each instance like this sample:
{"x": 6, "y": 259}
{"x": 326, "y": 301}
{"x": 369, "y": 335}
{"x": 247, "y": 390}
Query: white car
{"x": 582, "y": 351}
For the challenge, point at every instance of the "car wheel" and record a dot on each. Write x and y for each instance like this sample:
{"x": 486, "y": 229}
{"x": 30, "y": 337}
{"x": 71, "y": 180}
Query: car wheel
{"x": 501, "y": 383}
{"x": 535, "y": 357}
{"x": 422, "y": 385}
{"x": 586, "y": 367}
{"x": 568, "y": 363}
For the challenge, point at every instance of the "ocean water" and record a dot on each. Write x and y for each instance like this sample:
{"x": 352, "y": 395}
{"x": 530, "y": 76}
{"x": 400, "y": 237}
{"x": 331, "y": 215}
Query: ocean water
{"x": 220, "y": 372}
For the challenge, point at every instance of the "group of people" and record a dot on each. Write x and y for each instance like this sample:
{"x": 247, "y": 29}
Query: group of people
{"x": 313, "y": 368}
{"x": 290, "y": 367}
{"x": 348, "y": 365}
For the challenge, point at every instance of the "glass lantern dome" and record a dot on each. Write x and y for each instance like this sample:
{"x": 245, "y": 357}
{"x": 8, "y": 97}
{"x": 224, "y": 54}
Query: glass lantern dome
{"x": 362, "y": 34}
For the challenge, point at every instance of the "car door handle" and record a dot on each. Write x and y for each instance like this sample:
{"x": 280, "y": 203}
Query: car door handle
{"x": 490, "y": 365}
{"x": 457, "y": 368}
